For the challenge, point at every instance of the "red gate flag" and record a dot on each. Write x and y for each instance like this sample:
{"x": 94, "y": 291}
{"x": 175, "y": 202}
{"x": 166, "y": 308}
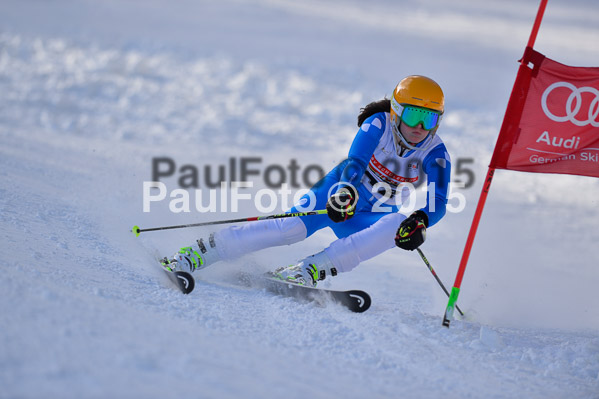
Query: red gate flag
{"x": 552, "y": 124}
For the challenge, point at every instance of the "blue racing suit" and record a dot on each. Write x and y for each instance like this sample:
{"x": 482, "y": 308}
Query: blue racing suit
{"x": 374, "y": 157}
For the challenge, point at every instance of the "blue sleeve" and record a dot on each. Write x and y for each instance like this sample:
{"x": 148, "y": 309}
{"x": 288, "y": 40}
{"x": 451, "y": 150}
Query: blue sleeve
{"x": 362, "y": 148}
{"x": 437, "y": 166}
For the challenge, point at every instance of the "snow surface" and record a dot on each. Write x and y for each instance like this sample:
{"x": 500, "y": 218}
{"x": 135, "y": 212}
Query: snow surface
{"x": 92, "y": 91}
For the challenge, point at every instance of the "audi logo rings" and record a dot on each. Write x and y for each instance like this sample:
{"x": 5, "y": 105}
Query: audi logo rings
{"x": 576, "y": 98}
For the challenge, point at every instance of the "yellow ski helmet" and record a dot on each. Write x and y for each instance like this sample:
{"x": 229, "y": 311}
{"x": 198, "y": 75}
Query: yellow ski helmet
{"x": 419, "y": 91}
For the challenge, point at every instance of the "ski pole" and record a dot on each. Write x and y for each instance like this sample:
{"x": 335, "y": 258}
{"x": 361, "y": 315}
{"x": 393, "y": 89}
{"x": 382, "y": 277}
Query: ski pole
{"x": 426, "y": 262}
{"x": 137, "y": 230}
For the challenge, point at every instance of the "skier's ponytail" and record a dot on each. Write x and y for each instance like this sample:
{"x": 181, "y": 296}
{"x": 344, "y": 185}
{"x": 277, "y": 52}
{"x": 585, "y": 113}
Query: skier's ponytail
{"x": 374, "y": 107}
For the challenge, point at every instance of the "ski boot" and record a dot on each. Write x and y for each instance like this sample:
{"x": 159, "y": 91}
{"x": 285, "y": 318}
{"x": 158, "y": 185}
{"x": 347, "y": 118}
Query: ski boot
{"x": 190, "y": 259}
{"x": 307, "y": 271}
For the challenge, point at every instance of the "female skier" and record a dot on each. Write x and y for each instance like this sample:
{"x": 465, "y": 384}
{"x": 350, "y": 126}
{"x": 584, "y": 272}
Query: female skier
{"x": 362, "y": 194}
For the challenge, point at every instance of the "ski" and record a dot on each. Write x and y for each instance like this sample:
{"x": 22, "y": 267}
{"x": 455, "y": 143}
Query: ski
{"x": 183, "y": 280}
{"x": 355, "y": 300}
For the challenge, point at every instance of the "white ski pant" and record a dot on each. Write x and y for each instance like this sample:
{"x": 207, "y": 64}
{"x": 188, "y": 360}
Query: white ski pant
{"x": 345, "y": 253}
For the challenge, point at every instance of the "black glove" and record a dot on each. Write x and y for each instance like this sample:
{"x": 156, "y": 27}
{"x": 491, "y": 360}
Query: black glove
{"x": 342, "y": 205}
{"x": 412, "y": 231}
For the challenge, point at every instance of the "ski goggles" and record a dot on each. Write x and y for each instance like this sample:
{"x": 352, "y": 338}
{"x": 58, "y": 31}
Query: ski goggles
{"x": 412, "y": 115}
